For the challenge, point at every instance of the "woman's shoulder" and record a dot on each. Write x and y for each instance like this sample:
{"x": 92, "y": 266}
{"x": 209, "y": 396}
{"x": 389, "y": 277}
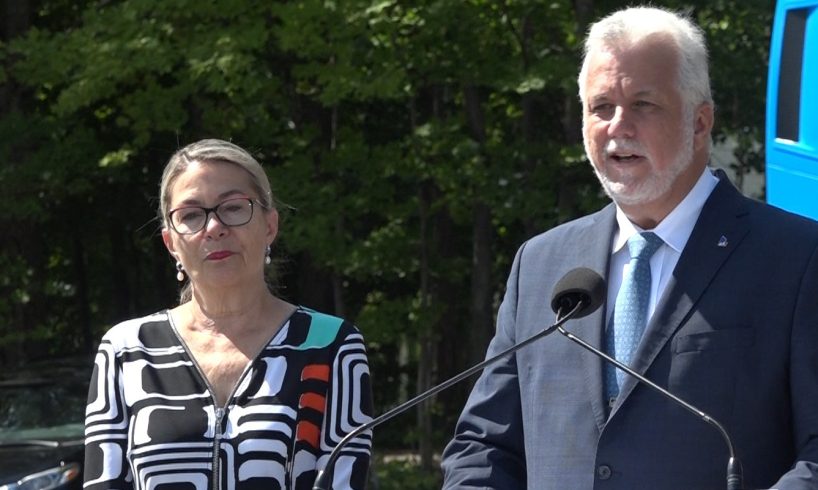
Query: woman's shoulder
{"x": 133, "y": 331}
{"x": 319, "y": 330}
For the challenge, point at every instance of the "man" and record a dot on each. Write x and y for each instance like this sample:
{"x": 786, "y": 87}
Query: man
{"x": 728, "y": 304}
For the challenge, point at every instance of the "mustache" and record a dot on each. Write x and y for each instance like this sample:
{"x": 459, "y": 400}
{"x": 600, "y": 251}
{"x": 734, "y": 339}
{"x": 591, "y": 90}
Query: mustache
{"x": 623, "y": 145}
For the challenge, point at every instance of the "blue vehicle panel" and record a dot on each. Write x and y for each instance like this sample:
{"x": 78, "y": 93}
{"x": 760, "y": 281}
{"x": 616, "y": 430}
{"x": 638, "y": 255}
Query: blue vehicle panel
{"x": 792, "y": 108}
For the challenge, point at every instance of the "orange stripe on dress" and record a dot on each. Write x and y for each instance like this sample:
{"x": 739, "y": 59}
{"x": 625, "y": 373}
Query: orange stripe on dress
{"x": 313, "y": 401}
{"x": 308, "y": 432}
{"x": 315, "y": 371}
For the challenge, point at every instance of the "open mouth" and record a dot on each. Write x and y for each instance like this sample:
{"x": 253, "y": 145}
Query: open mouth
{"x": 625, "y": 158}
{"x": 624, "y": 150}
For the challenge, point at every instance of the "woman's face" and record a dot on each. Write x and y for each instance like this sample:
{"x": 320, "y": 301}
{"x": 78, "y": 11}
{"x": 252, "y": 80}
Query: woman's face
{"x": 219, "y": 256}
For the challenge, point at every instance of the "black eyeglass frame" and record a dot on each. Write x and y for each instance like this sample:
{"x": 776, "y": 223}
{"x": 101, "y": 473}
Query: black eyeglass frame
{"x": 215, "y": 210}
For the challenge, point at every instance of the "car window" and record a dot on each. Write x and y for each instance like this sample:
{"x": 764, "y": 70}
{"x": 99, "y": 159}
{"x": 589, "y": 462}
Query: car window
{"x": 40, "y": 410}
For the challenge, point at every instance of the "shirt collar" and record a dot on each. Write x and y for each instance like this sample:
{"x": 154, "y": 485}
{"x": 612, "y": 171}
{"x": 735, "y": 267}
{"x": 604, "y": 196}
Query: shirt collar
{"x": 677, "y": 226}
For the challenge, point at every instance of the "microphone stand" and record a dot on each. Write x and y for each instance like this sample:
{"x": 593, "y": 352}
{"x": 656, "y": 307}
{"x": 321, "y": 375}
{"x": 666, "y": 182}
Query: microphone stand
{"x": 734, "y": 471}
{"x": 322, "y": 480}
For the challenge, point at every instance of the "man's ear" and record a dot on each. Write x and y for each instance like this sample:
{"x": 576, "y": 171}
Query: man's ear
{"x": 703, "y": 120}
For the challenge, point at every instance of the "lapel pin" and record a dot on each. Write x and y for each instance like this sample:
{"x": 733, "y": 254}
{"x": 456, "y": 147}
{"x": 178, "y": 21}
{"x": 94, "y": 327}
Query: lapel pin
{"x": 723, "y": 241}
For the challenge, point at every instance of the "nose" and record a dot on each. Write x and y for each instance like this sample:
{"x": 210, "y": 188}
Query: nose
{"x": 621, "y": 124}
{"x": 213, "y": 225}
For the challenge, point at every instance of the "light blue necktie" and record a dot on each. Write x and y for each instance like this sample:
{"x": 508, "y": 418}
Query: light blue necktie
{"x": 630, "y": 310}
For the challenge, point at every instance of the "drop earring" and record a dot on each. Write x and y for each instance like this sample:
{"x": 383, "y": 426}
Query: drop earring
{"x": 180, "y": 271}
{"x": 267, "y": 258}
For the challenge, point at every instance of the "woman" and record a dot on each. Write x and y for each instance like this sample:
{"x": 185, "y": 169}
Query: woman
{"x": 233, "y": 388}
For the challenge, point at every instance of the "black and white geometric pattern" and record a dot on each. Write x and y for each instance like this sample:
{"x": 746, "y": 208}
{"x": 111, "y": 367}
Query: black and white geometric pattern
{"x": 152, "y": 423}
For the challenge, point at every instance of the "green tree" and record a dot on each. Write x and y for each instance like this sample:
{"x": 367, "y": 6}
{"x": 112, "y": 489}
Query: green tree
{"x": 413, "y": 145}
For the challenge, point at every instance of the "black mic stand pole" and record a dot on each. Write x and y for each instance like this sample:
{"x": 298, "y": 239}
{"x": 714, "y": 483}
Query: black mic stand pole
{"x": 321, "y": 481}
{"x": 734, "y": 471}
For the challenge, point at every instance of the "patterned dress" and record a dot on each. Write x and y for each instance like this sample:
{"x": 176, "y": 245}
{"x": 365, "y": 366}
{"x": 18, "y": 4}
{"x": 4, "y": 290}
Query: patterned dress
{"x": 152, "y": 421}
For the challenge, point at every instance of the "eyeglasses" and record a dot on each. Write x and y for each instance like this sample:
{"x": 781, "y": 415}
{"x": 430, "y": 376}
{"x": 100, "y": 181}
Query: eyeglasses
{"x": 192, "y": 219}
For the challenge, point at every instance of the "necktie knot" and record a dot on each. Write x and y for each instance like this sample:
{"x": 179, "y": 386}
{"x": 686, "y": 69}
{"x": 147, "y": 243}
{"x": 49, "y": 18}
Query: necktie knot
{"x": 644, "y": 245}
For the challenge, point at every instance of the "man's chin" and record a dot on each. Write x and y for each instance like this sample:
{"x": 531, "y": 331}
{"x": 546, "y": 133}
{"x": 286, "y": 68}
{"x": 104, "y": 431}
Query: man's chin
{"x": 624, "y": 195}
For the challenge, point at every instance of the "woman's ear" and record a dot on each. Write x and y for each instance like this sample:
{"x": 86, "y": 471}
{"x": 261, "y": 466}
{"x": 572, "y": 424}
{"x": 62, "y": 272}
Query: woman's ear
{"x": 168, "y": 241}
{"x": 272, "y": 225}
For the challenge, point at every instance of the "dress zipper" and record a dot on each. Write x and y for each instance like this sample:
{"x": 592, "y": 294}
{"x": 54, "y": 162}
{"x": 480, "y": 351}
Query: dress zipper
{"x": 220, "y": 412}
{"x": 217, "y": 437}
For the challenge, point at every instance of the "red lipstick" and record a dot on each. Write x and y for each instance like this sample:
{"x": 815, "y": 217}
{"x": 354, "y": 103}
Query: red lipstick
{"x": 219, "y": 255}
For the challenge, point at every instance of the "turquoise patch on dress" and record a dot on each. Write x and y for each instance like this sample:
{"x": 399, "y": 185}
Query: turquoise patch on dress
{"x": 323, "y": 331}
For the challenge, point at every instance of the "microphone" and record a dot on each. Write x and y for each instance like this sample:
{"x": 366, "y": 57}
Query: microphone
{"x": 577, "y": 286}
{"x": 580, "y": 291}
{"x": 563, "y": 300}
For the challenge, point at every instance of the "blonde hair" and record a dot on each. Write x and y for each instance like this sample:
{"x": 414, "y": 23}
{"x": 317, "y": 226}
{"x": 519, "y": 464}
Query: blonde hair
{"x": 213, "y": 150}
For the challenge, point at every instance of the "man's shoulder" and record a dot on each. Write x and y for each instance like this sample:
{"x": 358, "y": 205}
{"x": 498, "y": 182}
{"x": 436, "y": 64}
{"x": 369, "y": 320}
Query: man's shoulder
{"x": 770, "y": 215}
{"x": 773, "y": 222}
{"x": 594, "y": 225}
{"x": 763, "y": 215}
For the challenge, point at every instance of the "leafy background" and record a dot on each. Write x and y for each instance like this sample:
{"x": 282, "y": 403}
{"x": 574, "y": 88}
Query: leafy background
{"x": 412, "y": 144}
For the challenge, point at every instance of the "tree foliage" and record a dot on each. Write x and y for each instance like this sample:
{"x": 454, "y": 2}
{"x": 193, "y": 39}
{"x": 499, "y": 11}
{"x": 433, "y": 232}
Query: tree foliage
{"x": 412, "y": 145}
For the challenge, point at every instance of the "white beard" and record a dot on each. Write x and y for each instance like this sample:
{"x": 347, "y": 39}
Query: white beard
{"x": 627, "y": 190}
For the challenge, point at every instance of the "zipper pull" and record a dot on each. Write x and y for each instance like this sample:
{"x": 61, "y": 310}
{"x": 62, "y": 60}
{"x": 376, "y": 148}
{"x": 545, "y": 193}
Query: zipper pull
{"x": 219, "y": 419}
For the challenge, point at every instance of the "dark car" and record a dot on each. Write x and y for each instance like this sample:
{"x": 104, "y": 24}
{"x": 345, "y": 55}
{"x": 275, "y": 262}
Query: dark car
{"x": 42, "y": 411}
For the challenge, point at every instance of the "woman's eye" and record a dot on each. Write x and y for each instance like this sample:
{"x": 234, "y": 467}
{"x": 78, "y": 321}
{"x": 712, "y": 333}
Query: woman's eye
{"x": 191, "y": 215}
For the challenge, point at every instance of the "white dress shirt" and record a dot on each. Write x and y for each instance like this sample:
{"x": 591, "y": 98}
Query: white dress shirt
{"x": 674, "y": 230}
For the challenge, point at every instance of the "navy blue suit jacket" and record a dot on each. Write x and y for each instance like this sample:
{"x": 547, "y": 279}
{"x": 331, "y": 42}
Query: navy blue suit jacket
{"x": 735, "y": 334}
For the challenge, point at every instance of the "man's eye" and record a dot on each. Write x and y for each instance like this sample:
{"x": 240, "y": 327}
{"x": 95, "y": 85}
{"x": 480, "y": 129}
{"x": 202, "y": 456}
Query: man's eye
{"x": 604, "y": 111}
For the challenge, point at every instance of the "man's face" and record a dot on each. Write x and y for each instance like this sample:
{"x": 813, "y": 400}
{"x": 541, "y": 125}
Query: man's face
{"x": 638, "y": 132}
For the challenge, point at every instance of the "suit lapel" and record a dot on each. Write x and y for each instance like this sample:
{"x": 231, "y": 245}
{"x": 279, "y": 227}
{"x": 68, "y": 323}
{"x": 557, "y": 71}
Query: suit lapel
{"x": 599, "y": 236}
{"x": 718, "y": 231}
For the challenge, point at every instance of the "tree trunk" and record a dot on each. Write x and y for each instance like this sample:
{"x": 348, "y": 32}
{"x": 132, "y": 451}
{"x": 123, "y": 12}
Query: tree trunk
{"x": 16, "y": 22}
{"x": 426, "y": 366}
{"x": 481, "y": 312}
{"x": 337, "y": 278}
{"x": 572, "y": 120}
{"x": 530, "y": 136}
{"x": 83, "y": 299}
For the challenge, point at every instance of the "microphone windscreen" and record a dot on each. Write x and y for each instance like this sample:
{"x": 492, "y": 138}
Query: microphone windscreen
{"x": 578, "y": 285}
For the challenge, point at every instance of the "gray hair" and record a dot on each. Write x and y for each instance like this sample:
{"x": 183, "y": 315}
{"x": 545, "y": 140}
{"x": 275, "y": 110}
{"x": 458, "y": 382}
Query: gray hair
{"x": 633, "y": 25}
